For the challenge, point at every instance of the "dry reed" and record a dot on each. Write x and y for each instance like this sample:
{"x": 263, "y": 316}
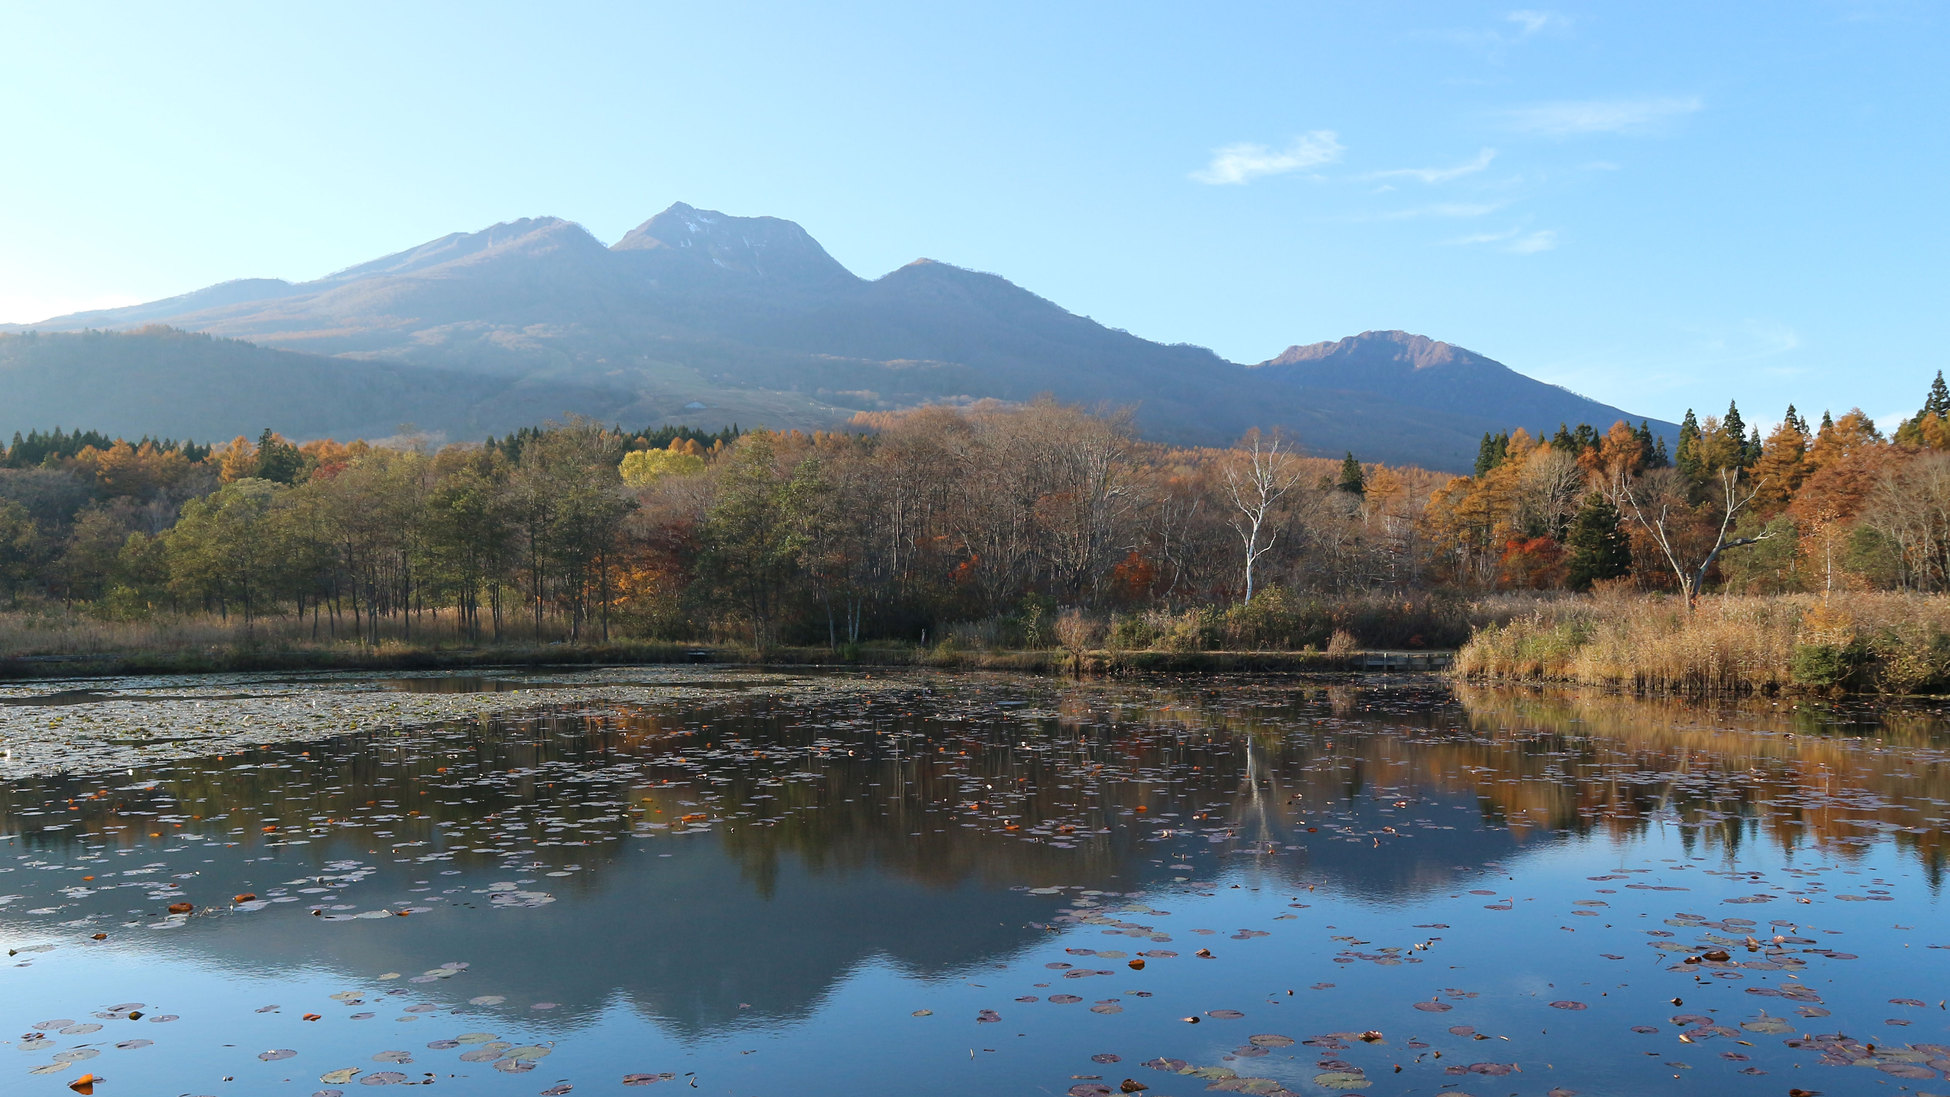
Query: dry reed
{"x": 1880, "y": 642}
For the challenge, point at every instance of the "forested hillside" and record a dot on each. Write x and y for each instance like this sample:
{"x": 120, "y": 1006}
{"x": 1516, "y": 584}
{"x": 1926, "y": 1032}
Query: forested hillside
{"x": 990, "y": 524}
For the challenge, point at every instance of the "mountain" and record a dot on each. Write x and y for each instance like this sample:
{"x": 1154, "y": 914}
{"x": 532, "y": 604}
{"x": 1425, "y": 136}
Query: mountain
{"x": 696, "y": 316}
{"x": 1425, "y": 373}
{"x": 163, "y": 382}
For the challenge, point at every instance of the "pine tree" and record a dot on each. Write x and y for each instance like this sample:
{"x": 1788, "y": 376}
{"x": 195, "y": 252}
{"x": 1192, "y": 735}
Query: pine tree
{"x": 1735, "y": 430}
{"x": 1351, "y": 480}
{"x": 1735, "y": 426}
{"x": 1793, "y": 418}
{"x": 1599, "y": 547}
{"x": 1490, "y": 453}
{"x": 1687, "y": 458}
{"x": 277, "y": 460}
{"x": 1919, "y": 431}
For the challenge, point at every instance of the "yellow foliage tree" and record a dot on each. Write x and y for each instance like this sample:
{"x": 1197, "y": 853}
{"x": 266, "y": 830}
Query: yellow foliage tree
{"x": 644, "y": 467}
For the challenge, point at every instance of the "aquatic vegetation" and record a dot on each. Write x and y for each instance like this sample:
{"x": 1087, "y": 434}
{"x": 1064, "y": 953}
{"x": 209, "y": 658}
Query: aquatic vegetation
{"x": 1000, "y": 884}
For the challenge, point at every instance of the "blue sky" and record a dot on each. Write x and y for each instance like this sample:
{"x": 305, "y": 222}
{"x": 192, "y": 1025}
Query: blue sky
{"x": 1660, "y": 205}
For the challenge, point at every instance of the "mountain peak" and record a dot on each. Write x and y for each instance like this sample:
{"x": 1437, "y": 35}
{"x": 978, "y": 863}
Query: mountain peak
{"x": 528, "y": 235}
{"x": 764, "y": 247}
{"x": 1377, "y": 348}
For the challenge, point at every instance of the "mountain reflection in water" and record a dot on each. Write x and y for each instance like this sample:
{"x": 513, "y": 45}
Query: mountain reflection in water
{"x": 728, "y": 864}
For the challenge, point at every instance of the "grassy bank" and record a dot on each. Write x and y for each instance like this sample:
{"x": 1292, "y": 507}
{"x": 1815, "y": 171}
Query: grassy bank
{"x": 1847, "y": 642}
{"x": 1278, "y": 632}
{"x": 401, "y": 656}
{"x": 59, "y": 645}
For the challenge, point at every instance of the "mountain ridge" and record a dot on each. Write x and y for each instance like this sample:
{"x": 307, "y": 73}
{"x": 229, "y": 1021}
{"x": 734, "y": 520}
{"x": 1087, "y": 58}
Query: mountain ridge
{"x": 752, "y": 318}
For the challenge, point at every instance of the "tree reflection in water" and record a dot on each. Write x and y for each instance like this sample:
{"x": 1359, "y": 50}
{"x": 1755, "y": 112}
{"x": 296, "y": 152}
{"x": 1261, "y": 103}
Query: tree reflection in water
{"x": 738, "y": 859}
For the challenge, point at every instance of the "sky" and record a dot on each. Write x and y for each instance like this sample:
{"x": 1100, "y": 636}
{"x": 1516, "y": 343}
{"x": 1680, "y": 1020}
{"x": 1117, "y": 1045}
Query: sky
{"x": 1660, "y": 205}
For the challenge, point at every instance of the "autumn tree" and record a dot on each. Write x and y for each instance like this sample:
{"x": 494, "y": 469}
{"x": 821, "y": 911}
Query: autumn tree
{"x": 1691, "y": 538}
{"x": 752, "y": 536}
{"x": 1257, "y": 476}
{"x": 19, "y": 544}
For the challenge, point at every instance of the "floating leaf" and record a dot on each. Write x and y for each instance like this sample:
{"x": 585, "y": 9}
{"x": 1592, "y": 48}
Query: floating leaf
{"x": 528, "y": 1051}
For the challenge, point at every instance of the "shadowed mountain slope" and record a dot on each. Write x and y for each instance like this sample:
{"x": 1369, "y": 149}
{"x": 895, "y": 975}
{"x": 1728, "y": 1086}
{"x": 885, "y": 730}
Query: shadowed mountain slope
{"x": 699, "y": 316}
{"x": 164, "y": 382}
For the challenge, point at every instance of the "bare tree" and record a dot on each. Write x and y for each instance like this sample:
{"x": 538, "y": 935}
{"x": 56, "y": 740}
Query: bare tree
{"x": 1664, "y": 524}
{"x": 1255, "y": 481}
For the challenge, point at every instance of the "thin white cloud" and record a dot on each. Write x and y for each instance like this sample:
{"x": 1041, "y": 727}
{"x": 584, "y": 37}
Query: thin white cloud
{"x": 1532, "y": 243}
{"x": 1515, "y": 27}
{"x": 1243, "y": 163}
{"x": 1438, "y": 175}
{"x": 1440, "y": 209}
{"x": 1569, "y": 119}
{"x": 1531, "y": 21}
{"x": 1475, "y": 238}
{"x": 1516, "y": 241}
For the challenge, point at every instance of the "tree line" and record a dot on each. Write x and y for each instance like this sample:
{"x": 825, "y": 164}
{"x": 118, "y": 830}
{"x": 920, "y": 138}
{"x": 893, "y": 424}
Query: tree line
{"x": 926, "y": 520}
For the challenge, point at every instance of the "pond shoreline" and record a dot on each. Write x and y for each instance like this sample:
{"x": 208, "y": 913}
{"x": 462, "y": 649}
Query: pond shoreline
{"x": 217, "y": 660}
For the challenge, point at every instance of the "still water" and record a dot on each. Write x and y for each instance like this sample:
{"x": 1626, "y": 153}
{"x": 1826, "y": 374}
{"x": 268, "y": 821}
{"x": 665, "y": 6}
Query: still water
{"x": 995, "y": 885}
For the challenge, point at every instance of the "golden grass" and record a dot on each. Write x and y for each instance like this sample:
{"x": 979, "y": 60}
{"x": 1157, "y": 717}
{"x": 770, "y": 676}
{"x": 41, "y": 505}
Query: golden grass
{"x": 1885, "y": 642}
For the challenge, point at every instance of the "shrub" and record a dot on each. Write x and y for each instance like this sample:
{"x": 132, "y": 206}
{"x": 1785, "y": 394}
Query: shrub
{"x": 1824, "y": 666}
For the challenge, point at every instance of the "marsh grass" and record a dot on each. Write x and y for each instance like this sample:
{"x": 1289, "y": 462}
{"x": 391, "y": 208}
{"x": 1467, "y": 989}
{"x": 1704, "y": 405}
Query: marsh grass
{"x": 1871, "y": 642}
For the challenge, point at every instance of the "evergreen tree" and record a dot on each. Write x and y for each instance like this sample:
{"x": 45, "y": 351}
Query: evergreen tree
{"x": 1564, "y": 441}
{"x": 1751, "y": 452}
{"x": 1485, "y": 453}
{"x": 1735, "y": 426}
{"x": 1800, "y": 425}
{"x": 1687, "y": 459}
{"x": 1599, "y": 547}
{"x": 1351, "y": 480}
{"x": 1652, "y": 450}
{"x": 1938, "y": 402}
{"x": 1735, "y": 430}
{"x": 277, "y": 460}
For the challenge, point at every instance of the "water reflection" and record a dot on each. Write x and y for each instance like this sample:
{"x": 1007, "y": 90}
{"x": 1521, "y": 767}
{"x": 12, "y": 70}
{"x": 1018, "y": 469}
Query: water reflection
{"x": 723, "y": 866}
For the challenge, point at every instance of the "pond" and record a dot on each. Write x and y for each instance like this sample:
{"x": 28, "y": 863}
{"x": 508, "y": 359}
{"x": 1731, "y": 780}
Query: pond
{"x": 752, "y": 883}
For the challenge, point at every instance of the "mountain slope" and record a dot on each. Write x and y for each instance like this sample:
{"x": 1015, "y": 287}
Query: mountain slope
{"x": 752, "y": 319}
{"x": 164, "y": 382}
{"x": 1424, "y": 373}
